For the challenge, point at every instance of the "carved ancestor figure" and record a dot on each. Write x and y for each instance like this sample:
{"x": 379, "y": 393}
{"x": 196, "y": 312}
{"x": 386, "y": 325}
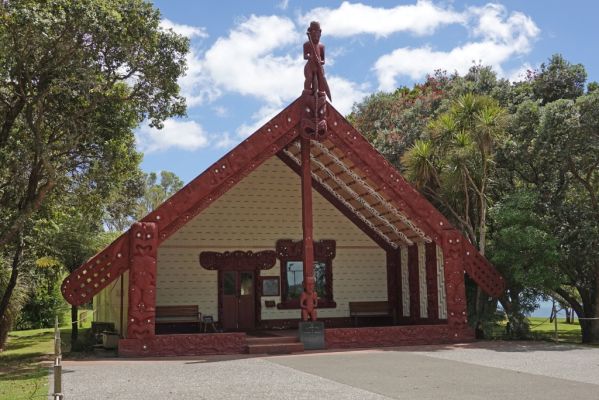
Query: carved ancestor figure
{"x": 309, "y": 301}
{"x": 313, "y": 123}
{"x": 313, "y": 71}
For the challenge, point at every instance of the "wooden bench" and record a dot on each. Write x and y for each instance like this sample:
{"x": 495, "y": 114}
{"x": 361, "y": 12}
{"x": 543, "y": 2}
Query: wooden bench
{"x": 178, "y": 318}
{"x": 359, "y": 309}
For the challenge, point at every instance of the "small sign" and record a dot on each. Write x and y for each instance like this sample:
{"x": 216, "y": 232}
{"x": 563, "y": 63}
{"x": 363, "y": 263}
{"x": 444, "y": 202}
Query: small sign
{"x": 311, "y": 334}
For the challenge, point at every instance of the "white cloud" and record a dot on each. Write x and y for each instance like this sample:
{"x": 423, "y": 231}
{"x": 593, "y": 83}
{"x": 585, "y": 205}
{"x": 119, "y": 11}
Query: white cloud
{"x": 245, "y": 62}
{"x": 519, "y": 74}
{"x": 224, "y": 141}
{"x": 195, "y": 84}
{"x": 262, "y": 116}
{"x": 502, "y": 37}
{"x": 185, "y": 30}
{"x": 345, "y": 93}
{"x": 185, "y": 135}
{"x": 349, "y": 19}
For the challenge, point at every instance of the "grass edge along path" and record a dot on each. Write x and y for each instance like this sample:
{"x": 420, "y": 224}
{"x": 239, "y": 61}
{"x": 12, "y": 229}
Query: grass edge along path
{"x": 26, "y": 359}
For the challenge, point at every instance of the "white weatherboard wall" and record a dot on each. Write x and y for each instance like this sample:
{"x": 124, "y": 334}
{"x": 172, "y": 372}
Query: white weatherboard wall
{"x": 107, "y": 303}
{"x": 261, "y": 209}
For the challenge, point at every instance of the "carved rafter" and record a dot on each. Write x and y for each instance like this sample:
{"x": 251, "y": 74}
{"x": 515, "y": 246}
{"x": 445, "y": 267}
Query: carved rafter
{"x": 386, "y": 204}
{"x": 357, "y": 197}
{"x": 344, "y": 201}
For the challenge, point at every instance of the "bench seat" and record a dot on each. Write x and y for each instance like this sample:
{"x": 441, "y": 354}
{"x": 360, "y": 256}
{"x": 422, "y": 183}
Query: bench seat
{"x": 369, "y": 309}
{"x": 180, "y": 318}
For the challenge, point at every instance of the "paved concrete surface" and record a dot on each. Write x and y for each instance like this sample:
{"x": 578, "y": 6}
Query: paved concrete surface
{"x": 488, "y": 370}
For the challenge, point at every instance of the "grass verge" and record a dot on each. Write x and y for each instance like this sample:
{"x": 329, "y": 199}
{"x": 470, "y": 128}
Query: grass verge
{"x": 25, "y": 361}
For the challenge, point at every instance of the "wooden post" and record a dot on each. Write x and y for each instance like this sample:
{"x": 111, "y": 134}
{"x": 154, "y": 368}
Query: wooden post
{"x": 57, "y": 395}
{"x": 307, "y": 222}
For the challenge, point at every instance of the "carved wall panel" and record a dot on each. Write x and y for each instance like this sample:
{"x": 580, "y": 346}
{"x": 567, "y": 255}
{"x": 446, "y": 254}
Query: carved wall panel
{"x": 431, "y": 282}
{"x": 422, "y": 281}
{"x": 405, "y": 282}
{"x": 142, "y": 280}
{"x": 441, "y": 283}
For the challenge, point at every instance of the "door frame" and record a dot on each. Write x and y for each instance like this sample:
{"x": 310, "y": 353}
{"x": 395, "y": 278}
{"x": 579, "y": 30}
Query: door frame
{"x": 239, "y": 261}
{"x": 257, "y": 293}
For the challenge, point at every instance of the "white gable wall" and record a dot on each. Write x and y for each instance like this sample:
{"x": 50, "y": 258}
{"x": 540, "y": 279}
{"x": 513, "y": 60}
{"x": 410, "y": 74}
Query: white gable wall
{"x": 253, "y": 215}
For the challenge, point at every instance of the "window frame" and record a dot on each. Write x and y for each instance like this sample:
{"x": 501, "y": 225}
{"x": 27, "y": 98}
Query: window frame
{"x": 292, "y": 251}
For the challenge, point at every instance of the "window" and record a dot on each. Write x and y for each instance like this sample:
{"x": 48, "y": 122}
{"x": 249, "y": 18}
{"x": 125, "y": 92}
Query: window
{"x": 292, "y": 272}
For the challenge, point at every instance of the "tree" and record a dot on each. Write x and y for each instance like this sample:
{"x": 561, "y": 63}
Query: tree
{"x": 155, "y": 193}
{"x": 554, "y": 151}
{"x": 454, "y": 167}
{"x": 524, "y": 250}
{"x": 75, "y": 79}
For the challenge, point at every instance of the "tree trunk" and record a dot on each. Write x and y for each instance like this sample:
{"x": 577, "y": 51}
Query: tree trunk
{"x": 74, "y": 324}
{"x": 12, "y": 283}
{"x": 568, "y": 315}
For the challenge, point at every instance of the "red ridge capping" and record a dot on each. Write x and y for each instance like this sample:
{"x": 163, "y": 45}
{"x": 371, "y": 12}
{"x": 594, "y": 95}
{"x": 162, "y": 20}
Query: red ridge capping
{"x": 107, "y": 265}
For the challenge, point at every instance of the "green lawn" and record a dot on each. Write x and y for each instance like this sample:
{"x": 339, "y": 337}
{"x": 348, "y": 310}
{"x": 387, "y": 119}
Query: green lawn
{"x": 25, "y": 361}
{"x": 542, "y": 329}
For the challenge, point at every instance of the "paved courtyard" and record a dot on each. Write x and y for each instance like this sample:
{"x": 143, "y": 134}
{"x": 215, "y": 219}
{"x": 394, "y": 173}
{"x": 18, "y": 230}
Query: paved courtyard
{"x": 486, "y": 370}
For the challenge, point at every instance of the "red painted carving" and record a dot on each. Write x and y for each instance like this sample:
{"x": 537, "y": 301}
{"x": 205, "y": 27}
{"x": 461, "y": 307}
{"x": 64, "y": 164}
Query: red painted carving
{"x": 431, "y": 282}
{"x": 454, "y": 278}
{"x": 393, "y": 282}
{"x": 478, "y": 269}
{"x": 183, "y": 345}
{"x": 413, "y": 279}
{"x": 142, "y": 280}
{"x": 314, "y": 111}
{"x": 396, "y": 336}
{"x": 238, "y": 260}
{"x": 86, "y": 281}
{"x": 309, "y": 300}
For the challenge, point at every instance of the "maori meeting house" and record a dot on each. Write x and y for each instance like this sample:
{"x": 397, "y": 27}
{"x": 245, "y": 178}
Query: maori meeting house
{"x": 303, "y": 235}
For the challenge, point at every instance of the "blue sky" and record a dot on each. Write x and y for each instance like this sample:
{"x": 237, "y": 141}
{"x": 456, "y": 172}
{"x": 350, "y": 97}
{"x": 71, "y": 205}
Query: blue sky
{"x": 245, "y": 62}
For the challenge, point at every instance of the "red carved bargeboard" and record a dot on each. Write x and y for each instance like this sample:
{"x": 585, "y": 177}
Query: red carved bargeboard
{"x": 183, "y": 345}
{"x": 343, "y": 338}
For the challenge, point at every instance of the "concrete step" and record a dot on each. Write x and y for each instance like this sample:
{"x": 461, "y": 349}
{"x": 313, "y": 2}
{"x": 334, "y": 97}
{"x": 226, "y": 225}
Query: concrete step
{"x": 275, "y": 348}
{"x": 271, "y": 340}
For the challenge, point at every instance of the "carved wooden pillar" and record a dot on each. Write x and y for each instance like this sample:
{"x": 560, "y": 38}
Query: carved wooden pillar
{"x": 143, "y": 242}
{"x": 414, "y": 283}
{"x": 431, "y": 282}
{"x": 307, "y": 222}
{"x": 393, "y": 283}
{"x": 453, "y": 254}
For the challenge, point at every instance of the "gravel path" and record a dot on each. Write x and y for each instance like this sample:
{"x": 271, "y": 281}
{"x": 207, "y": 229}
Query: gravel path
{"x": 576, "y": 363}
{"x": 237, "y": 379}
{"x": 490, "y": 371}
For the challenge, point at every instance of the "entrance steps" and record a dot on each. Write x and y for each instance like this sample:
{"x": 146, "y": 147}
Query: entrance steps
{"x": 273, "y": 345}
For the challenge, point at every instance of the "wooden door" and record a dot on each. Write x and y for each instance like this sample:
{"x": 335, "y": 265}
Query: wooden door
{"x": 238, "y": 300}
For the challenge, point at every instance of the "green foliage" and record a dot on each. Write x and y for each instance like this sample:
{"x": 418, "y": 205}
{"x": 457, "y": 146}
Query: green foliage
{"x": 558, "y": 80}
{"x": 522, "y": 246}
{"x": 155, "y": 193}
{"x": 526, "y": 151}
